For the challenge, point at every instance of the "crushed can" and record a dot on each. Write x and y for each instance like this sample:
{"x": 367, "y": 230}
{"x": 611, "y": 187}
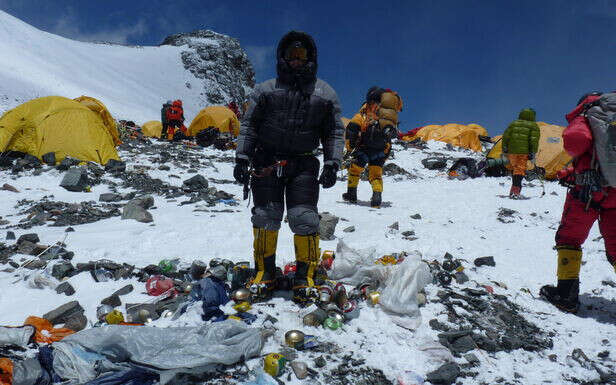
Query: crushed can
{"x": 340, "y": 295}
{"x": 332, "y": 323}
{"x": 289, "y": 268}
{"x": 336, "y": 313}
{"x": 273, "y": 364}
{"x": 315, "y": 318}
{"x": 373, "y": 298}
{"x": 114, "y": 317}
{"x": 327, "y": 259}
{"x": 350, "y": 310}
{"x": 326, "y": 292}
{"x": 294, "y": 339}
{"x": 102, "y": 311}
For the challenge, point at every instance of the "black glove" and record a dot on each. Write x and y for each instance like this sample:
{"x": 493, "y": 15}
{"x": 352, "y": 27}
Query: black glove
{"x": 240, "y": 172}
{"x": 328, "y": 175}
{"x": 390, "y": 132}
{"x": 531, "y": 156}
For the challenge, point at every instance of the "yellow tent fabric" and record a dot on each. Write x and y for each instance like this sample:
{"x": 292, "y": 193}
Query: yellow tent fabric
{"x": 60, "y": 125}
{"x": 152, "y": 128}
{"x": 98, "y": 107}
{"x": 551, "y": 155}
{"x": 460, "y": 135}
{"x": 220, "y": 117}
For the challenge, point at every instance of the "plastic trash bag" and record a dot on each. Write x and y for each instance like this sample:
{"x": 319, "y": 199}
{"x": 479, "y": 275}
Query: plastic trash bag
{"x": 262, "y": 378}
{"x": 399, "y": 295}
{"x": 349, "y": 262}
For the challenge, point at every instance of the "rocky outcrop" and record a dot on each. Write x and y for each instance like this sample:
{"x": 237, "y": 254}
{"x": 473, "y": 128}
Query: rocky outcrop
{"x": 219, "y": 62}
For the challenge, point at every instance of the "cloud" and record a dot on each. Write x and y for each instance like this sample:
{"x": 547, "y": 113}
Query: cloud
{"x": 262, "y": 57}
{"x": 68, "y": 26}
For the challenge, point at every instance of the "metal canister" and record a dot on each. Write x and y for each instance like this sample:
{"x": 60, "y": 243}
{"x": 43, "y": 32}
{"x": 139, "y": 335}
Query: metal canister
{"x": 241, "y": 295}
{"x": 294, "y": 339}
{"x": 242, "y": 307}
{"x": 114, "y": 317}
{"x": 373, "y": 298}
{"x": 315, "y": 318}
{"x": 273, "y": 364}
{"x": 332, "y": 323}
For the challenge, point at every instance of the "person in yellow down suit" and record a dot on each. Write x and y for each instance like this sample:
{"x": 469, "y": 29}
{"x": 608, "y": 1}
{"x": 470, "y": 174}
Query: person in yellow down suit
{"x": 369, "y": 135}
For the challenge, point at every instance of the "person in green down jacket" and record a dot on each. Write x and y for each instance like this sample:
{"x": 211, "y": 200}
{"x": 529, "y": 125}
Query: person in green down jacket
{"x": 520, "y": 143}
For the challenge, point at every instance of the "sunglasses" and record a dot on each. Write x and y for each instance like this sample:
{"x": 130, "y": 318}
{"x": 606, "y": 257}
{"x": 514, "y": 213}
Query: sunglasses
{"x": 296, "y": 53}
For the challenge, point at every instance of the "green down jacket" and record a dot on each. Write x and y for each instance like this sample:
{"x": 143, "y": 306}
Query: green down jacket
{"x": 522, "y": 135}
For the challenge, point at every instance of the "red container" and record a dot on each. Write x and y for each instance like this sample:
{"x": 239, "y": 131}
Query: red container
{"x": 290, "y": 267}
{"x": 159, "y": 285}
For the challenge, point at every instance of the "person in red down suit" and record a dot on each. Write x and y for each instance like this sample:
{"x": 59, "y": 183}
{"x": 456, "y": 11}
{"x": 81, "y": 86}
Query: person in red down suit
{"x": 175, "y": 120}
{"x": 587, "y": 200}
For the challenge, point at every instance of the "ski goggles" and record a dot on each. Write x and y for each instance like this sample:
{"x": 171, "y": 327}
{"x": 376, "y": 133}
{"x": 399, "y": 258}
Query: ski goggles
{"x": 296, "y": 52}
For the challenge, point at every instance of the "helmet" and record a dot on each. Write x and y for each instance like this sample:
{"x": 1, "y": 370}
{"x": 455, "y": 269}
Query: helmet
{"x": 593, "y": 93}
{"x": 374, "y": 94}
{"x": 296, "y": 51}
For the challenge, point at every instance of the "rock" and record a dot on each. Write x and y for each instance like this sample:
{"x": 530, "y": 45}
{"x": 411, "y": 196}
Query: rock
{"x": 63, "y": 313}
{"x": 67, "y": 163}
{"x": 69, "y": 230}
{"x": 26, "y": 247}
{"x": 62, "y": 269}
{"x": 196, "y": 183}
{"x": 49, "y": 158}
{"x": 453, "y": 335}
{"x": 434, "y": 163}
{"x": 463, "y": 344}
{"x": 40, "y": 219}
{"x": 408, "y": 233}
{"x": 349, "y": 229}
{"x": 115, "y": 166}
{"x": 327, "y": 226}
{"x": 65, "y": 288}
{"x": 75, "y": 179}
{"x": 110, "y": 197}
{"x": 300, "y": 369}
{"x": 76, "y": 322}
{"x": 394, "y": 226}
{"x": 135, "y": 209}
{"x": 461, "y": 277}
{"x": 30, "y": 237}
{"x": 219, "y": 62}
{"x": 30, "y": 161}
{"x": 446, "y": 374}
{"x": 320, "y": 362}
{"x": 471, "y": 358}
{"x": 164, "y": 167}
{"x": 416, "y": 216}
{"x": 487, "y": 261}
{"x": 124, "y": 290}
{"x": 8, "y": 187}
{"x": 113, "y": 301}
{"x": 10, "y": 235}
{"x": 35, "y": 264}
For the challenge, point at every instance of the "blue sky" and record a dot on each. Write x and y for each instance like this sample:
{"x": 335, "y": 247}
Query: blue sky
{"x": 451, "y": 61}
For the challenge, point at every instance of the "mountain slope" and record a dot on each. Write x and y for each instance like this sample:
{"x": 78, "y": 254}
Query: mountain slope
{"x": 133, "y": 82}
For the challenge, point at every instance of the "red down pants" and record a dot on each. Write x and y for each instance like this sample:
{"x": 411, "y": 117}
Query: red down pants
{"x": 576, "y": 223}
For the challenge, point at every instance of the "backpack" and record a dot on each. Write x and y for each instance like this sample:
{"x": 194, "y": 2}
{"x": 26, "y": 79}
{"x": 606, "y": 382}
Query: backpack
{"x": 602, "y": 120}
{"x": 390, "y": 105}
{"x": 174, "y": 113}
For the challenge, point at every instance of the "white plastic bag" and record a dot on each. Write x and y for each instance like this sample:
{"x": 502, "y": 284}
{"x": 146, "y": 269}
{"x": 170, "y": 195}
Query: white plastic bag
{"x": 399, "y": 295}
{"x": 348, "y": 261}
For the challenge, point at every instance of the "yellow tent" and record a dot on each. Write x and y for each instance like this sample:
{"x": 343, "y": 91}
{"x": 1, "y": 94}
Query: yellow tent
{"x": 98, "y": 107}
{"x": 152, "y": 128}
{"x": 60, "y": 125}
{"x": 220, "y": 117}
{"x": 460, "y": 135}
{"x": 551, "y": 155}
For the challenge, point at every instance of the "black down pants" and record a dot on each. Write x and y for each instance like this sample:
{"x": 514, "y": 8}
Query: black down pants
{"x": 299, "y": 185}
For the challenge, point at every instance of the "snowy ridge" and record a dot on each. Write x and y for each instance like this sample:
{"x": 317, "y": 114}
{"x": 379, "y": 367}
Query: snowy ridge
{"x": 133, "y": 82}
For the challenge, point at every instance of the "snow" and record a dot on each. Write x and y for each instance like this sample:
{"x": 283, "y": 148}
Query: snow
{"x": 459, "y": 217}
{"x": 133, "y": 82}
